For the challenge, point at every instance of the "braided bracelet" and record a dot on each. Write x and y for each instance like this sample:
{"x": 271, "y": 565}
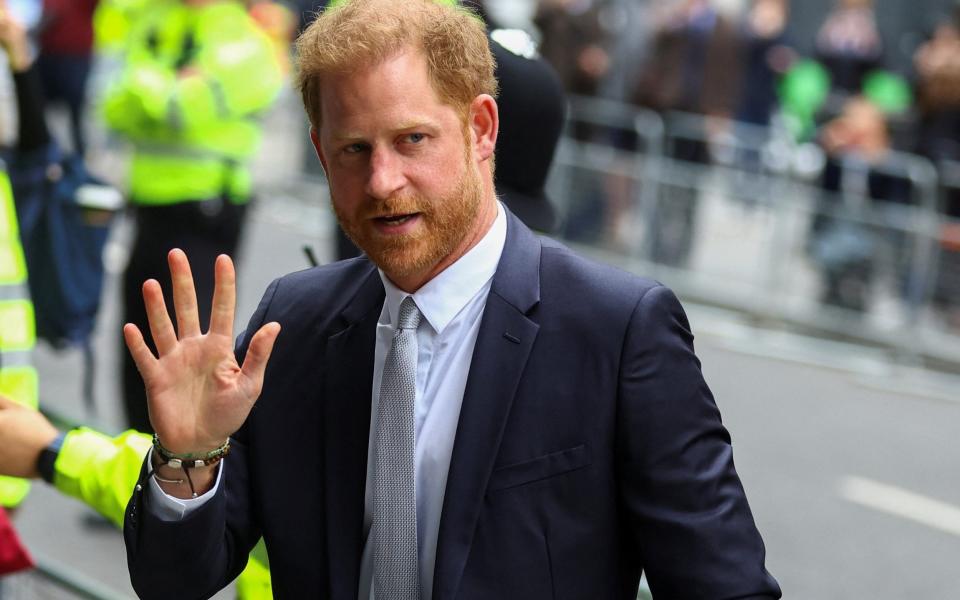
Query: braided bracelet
{"x": 190, "y": 460}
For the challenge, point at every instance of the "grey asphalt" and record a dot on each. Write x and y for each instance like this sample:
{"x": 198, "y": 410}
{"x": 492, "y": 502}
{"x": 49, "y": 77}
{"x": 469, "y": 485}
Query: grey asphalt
{"x": 807, "y": 417}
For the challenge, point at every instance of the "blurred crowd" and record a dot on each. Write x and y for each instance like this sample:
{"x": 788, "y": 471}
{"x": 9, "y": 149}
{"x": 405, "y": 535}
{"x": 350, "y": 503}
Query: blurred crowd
{"x": 837, "y": 87}
{"x": 742, "y": 61}
{"x": 716, "y": 67}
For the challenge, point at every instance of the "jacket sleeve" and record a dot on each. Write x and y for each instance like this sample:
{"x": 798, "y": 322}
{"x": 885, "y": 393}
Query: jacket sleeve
{"x": 684, "y": 502}
{"x": 208, "y": 548}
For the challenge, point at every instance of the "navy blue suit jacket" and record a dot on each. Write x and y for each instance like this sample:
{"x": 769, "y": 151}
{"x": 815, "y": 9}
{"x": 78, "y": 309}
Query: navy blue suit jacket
{"x": 589, "y": 448}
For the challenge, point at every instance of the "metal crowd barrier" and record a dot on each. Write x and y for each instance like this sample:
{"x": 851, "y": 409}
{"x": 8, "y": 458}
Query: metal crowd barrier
{"x": 739, "y": 215}
{"x": 949, "y": 177}
{"x": 946, "y": 284}
{"x": 610, "y": 152}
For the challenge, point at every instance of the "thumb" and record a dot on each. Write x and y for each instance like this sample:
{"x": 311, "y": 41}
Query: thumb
{"x": 7, "y": 403}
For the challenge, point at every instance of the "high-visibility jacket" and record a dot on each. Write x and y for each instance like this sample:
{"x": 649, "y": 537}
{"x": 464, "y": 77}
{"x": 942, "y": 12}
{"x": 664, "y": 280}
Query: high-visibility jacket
{"x": 18, "y": 378}
{"x": 194, "y": 81}
{"x": 101, "y": 471}
{"x": 113, "y": 20}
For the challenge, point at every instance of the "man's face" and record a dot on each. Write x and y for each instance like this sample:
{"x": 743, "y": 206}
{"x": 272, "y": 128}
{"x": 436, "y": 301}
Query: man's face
{"x": 404, "y": 181}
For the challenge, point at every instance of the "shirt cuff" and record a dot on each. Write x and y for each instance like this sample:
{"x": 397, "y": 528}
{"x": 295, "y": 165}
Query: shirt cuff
{"x": 170, "y": 508}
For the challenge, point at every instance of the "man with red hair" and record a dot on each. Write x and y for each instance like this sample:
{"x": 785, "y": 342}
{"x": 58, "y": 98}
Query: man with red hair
{"x": 467, "y": 411}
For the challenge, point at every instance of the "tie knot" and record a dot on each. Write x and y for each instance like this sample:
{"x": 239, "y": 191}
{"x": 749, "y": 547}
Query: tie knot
{"x": 409, "y": 317}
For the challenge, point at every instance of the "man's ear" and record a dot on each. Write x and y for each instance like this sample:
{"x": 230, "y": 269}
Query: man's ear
{"x": 315, "y": 138}
{"x": 484, "y": 122}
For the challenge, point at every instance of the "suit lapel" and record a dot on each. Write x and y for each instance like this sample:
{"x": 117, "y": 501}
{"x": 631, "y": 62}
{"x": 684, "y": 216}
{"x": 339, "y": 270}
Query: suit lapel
{"x": 504, "y": 341}
{"x": 349, "y": 379}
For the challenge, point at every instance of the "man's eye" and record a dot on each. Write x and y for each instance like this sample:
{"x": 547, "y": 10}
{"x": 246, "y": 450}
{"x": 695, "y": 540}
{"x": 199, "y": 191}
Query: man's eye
{"x": 415, "y": 138}
{"x": 355, "y": 148}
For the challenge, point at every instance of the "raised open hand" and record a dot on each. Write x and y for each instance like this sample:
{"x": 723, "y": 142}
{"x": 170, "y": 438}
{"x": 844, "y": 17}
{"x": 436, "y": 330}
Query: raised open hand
{"x": 197, "y": 394}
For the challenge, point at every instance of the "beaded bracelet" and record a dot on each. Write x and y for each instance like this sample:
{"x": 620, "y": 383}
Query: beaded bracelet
{"x": 190, "y": 460}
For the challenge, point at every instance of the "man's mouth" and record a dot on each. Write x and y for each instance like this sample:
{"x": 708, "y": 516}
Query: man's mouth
{"x": 395, "y": 219}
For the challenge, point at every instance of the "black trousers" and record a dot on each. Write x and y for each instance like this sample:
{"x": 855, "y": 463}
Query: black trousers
{"x": 203, "y": 230}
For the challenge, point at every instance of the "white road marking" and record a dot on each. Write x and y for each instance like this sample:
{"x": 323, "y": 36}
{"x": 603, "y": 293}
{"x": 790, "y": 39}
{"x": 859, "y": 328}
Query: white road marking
{"x": 902, "y": 503}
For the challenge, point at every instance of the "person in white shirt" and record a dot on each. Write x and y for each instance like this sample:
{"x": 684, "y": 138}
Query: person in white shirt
{"x": 467, "y": 411}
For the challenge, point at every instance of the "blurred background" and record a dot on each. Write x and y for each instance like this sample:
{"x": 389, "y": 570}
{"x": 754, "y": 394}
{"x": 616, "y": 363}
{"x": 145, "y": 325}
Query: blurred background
{"x": 791, "y": 169}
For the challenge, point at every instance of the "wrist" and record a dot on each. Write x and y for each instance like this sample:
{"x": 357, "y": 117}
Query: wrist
{"x": 46, "y": 461}
{"x": 184, "y": 481}
{"x": 174, "y": 446}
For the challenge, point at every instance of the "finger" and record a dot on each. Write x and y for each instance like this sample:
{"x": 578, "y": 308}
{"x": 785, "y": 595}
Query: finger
{"x": 7, "y": 403}
{"x": 224, "y": 297}
{"x": 184, "y": 294}
{"x": 258, "y": 353}
{"x": 161, "y": 328}
{"x": 144, "y": 359}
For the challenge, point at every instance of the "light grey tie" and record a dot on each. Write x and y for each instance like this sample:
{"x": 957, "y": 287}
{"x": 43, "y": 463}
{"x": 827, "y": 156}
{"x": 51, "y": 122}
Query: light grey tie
{"x": 395, "y": 564}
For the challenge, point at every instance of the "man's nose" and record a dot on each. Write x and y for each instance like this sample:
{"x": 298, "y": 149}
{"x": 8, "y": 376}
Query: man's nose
{"x": 386, "y": 174}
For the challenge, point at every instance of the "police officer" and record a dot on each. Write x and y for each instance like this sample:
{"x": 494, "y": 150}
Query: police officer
{"x": 196, "y": 75}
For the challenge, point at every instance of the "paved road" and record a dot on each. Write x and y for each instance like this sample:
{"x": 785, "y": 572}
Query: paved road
{"x": 816, "y": 437}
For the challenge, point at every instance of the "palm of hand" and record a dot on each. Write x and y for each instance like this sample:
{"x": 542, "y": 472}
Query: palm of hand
{"x": 198, "y": 392}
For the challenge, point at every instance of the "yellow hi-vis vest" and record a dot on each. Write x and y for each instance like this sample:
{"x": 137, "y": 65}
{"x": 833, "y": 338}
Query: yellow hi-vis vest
{"x": 195, "y": 81}
{"x": 18, "y": 378}
{"x": 113, "y": 21}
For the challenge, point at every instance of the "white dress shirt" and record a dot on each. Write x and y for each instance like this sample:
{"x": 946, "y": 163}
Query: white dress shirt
{"x": 452, "y": 305}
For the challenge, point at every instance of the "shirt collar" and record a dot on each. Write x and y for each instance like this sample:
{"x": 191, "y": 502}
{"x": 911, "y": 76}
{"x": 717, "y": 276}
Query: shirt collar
{"x": 444, "y": 296}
